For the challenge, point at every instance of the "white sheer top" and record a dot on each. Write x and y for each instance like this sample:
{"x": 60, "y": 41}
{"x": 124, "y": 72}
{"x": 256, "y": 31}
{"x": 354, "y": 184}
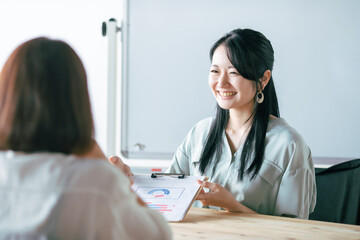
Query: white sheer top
{"x": 56, "y": 196}
{"x": 285, "y": 184}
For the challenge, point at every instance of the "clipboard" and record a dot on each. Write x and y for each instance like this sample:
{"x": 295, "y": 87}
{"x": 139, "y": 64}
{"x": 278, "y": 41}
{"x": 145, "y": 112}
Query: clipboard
{"x": 172, "y": 195}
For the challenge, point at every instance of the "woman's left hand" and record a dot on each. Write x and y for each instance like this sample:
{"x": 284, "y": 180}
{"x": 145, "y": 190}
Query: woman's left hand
{"x": 220, "y": 197}
{"x": 116, "y": 161}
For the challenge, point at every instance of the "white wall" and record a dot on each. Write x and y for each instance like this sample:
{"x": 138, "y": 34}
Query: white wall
{"x": 78, "y": 22}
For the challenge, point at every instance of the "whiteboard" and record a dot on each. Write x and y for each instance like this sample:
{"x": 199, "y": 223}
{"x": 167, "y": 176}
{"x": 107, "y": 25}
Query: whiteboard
{"x": 165, "y": 65}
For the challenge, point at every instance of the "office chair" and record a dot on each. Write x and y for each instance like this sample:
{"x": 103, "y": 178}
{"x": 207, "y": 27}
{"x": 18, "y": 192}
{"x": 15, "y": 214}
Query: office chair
{"x": 338, "y": 193}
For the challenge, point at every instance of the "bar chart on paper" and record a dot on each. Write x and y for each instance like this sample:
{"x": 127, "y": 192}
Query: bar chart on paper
{"x": 169, "y": 196}
{"x": 155, "y": 197}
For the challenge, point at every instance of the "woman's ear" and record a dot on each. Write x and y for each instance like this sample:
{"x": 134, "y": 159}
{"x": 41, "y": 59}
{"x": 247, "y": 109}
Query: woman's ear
{"x": 265, "y": 79}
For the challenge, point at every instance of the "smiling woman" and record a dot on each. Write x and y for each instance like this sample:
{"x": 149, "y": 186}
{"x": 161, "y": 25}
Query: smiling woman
{"x": 256, "y": 162}
{"x": 230, "y": 89}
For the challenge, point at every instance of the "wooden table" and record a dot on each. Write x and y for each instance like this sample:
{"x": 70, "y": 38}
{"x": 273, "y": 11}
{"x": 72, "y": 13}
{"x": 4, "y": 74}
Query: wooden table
{"x": 210, "y": 224}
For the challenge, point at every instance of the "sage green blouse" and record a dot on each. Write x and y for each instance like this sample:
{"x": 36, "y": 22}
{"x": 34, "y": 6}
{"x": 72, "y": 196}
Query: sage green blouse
{"x": 285, "y": 184}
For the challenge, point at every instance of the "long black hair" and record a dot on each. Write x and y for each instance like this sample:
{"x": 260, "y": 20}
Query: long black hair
{"x": 251, "y": 53}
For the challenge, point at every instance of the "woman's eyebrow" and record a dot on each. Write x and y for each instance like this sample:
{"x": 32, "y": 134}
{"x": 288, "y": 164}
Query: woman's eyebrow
{"x": 215, "y": 65}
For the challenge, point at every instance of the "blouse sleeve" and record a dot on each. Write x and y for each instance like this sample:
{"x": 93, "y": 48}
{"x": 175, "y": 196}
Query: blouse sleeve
{"x": 191, "y": 148}
{"x": 297, "y": 192}
{"x": 180, "y": 162}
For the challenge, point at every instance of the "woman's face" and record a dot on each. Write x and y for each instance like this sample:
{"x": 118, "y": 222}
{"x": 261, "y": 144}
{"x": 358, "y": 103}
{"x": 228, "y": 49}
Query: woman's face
{"x": 230, "y": 89}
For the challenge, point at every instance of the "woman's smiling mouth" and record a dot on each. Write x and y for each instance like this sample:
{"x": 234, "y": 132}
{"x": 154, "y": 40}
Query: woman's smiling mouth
{"x": 226, "y": 94}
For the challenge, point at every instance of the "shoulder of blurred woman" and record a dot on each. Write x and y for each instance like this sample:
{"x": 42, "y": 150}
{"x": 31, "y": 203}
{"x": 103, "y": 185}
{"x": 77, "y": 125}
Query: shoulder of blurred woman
{"x": 58, "y": 170}
{"x": 98, "y": 172}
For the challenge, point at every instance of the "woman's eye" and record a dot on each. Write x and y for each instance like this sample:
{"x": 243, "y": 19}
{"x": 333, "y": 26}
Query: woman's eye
{"x": 214, "y": 71}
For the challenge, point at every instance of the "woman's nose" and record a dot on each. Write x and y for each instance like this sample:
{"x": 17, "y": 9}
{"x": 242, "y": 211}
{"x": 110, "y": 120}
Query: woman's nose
{"x": 223, "y": 80}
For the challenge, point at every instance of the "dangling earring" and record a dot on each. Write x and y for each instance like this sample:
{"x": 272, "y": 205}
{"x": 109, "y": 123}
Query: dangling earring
{"x": 259, "y": 97}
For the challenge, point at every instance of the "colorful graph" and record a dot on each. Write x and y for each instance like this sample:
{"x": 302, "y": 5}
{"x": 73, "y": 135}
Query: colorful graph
{"x": 159, "y": 193}
{"x": 160, "y": 207}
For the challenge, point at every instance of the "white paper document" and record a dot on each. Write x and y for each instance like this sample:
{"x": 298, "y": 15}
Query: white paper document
{"x": 169, "y": 195}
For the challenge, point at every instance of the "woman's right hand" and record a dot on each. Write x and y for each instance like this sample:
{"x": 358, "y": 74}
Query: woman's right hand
{"x": 116, "y": 161}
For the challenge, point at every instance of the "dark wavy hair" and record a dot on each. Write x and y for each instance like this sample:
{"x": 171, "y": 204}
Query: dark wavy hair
{"x": 251, "y": 53}
{"x": 44, "y": 100}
